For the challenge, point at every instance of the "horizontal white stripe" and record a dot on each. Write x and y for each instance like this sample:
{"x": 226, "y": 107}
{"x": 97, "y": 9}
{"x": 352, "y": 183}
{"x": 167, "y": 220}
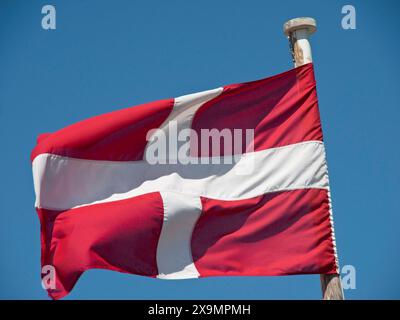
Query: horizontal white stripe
{"x": 174, "y": 254}
{"x": 62, "y": 183}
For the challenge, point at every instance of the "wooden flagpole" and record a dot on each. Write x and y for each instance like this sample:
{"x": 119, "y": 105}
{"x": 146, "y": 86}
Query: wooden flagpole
{"x": 298, "y": 31}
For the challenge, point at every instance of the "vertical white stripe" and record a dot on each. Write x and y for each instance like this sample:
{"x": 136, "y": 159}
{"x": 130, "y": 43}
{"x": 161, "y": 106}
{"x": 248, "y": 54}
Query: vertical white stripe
{"x": 174, "y": 254}
{"x": 182, "y": 114}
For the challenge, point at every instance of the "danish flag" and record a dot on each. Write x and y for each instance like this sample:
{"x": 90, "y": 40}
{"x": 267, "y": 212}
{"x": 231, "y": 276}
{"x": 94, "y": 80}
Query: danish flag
{"x": 101, "y": 204}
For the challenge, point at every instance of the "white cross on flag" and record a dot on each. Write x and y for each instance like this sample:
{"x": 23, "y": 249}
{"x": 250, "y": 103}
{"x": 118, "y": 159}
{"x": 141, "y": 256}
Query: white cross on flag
{"x": 226, "y": 182}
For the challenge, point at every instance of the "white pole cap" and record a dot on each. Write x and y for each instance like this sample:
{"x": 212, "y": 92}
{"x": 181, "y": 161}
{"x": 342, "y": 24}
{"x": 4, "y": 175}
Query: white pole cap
{"x": 306, "y": 23}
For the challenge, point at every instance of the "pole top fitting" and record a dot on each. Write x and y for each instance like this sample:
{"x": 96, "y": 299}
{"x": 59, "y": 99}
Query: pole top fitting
{"x": 306, "y": 23}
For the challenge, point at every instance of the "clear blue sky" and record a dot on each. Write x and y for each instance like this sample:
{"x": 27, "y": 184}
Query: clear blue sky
{"x": 106, "y": 55}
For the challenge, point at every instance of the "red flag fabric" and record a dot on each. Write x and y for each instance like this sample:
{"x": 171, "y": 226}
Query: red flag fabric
{"x": 145, "y": 191}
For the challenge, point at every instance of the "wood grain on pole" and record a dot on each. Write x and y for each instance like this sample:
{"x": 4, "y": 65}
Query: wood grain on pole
{"x": 298, "y": 31}
{"x": 331, "y": 287}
